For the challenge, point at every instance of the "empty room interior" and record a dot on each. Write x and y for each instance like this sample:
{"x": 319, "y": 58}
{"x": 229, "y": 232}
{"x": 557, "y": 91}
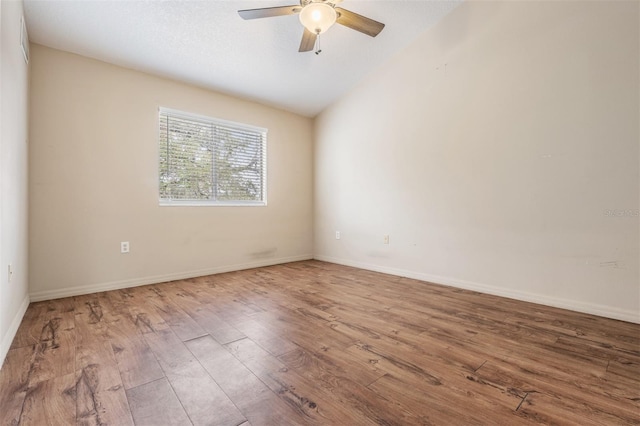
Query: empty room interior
{"x": 265, "y": 212}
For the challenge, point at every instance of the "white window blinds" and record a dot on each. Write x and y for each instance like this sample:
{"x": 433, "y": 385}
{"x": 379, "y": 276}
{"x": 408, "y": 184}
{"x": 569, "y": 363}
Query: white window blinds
{"x": 209, "y": 161}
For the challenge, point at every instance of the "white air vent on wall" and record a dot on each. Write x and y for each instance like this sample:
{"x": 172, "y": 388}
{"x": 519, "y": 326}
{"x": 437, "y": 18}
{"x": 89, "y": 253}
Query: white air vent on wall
{"x": 24, "y": 40}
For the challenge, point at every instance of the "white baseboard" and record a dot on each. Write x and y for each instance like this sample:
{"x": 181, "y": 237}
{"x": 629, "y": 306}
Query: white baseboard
{"x": 572, "y": 305}
{"x": 588, "y": 308}
{"x": 135, "y": 282}
{"x": 13, "y": 329}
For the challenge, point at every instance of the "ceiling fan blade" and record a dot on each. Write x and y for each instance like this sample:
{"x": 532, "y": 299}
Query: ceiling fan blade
{"x": 308, "y": 41}
{"x": 268, "y": 12}
{"x": 358, "y": 22}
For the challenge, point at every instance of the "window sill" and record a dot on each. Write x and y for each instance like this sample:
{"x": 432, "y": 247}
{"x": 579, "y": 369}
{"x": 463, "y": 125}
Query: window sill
{"x": 176, "y": 203}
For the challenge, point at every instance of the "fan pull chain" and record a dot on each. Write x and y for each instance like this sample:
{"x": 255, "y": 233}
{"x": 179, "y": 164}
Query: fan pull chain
{"x": 318, "y": 50}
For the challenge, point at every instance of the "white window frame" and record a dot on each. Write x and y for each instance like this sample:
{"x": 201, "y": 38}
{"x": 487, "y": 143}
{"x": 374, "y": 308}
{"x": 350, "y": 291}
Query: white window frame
{"x": 222, "y": 123}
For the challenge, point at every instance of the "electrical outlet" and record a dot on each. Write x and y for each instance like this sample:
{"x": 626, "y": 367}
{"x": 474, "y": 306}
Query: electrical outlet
{"x": 337, "y": 235}
{"x": 386, "y": 239}
{"x": 124, "y": 247}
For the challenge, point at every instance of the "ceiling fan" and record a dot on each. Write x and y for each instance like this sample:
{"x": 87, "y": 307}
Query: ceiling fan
{"x": 317, "y": 16}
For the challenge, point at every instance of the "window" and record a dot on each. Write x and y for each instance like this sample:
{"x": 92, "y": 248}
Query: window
{"x": 205, "y": 161}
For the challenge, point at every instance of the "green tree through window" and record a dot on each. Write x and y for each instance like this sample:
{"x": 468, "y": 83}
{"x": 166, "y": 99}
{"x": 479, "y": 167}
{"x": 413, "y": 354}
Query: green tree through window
{"x": 210, "y": 161}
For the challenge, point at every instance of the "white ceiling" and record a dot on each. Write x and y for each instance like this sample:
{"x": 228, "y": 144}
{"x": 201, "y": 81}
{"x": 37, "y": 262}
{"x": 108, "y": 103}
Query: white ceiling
{"x": 207, "y": 43}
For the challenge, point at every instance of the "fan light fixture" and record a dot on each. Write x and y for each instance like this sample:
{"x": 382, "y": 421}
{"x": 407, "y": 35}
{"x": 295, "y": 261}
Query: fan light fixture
{"x": 318, "y": 17}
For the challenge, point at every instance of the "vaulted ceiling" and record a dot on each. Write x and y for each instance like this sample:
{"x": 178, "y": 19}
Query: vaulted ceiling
{"x": 206, "y": 43}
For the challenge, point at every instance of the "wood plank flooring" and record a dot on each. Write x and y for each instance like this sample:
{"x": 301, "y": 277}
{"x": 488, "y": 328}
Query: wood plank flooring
{"x": 314, "y": 343}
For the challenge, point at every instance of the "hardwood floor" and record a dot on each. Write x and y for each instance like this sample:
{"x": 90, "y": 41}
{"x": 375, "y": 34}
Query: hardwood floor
{"x": 316, "y": 343}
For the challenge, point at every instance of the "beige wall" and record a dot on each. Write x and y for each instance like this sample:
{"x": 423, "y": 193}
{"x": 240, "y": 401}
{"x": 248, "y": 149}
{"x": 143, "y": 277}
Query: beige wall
{"x": 490, "y": 150}
{"x": 14, "y": 80}
{"x": 94, "y": 173}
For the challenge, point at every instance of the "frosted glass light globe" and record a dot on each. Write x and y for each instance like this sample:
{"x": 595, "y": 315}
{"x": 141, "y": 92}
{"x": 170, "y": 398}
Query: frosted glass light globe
{"x": 318, "y": 17}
